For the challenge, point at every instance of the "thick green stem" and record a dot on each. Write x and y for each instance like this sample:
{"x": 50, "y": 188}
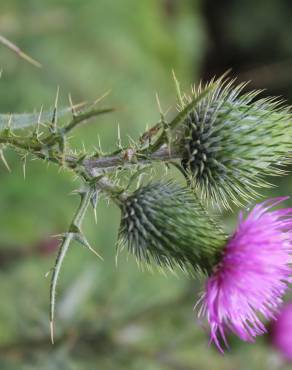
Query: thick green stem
{"x": 109, "y": 163}
{"x": 67, "y": 239}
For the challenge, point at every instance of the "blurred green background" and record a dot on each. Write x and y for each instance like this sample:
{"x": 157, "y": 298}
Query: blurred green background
{"x": 112, "y": 317}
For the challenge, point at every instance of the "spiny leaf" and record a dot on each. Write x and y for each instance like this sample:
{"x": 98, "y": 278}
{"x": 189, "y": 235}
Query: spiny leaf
{"x": 24, "y": 120}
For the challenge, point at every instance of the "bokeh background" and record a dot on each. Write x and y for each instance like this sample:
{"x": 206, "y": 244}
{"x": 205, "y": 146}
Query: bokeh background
{"x": 112, "y": 317}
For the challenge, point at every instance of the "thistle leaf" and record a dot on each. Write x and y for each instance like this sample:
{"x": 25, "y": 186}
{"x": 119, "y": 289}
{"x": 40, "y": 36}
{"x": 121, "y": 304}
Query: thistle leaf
{"x": 23, "y": 120}
{"x": 164, "y": 223}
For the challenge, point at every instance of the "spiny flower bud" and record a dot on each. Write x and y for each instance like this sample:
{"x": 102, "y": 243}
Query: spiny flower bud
{"x": 165, "y": 223}
{"x": 230, "y": 143}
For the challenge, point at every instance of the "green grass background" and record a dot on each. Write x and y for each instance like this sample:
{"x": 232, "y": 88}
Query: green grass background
{"x": 108, "y": 317}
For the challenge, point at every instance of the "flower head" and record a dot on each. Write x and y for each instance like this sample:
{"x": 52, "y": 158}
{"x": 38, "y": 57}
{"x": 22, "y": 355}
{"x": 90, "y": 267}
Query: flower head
{"x": 282, "y": 332}
{"x": 165, "y": 223}
{"x": 233, "y": 141}
{"x": 248, "y": 283}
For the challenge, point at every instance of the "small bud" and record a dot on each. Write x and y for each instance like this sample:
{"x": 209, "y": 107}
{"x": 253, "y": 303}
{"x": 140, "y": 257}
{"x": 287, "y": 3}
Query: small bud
{"x": 163, "y": 222}
{"x": 231, "y": 143}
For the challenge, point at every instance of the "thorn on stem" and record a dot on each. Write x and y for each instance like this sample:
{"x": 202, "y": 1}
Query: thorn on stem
{"x": 95, "y": 215}
{"x": 158, "y": 103}
{"x": 39, "y": 122}
{"x": 52, "y": 331}
{"x": 102, "y": 97}
{"x": 73, "y": 110}
{"x": 4, "y": 160}
{"x": 82, "y": 240}
{"x": 178, "y": 91}
{"x": 24, "y": 166}
{"x": 54, "y": 117}
{"x": 95, "y": 252}
{"x": 48, "y": 273}
{"x": 120, "y": 146}
{"x": 9, "y": 122}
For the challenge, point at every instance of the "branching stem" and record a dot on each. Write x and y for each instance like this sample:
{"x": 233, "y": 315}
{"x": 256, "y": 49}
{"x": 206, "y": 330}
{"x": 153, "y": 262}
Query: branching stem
{"x": 92, "y": 169}
{"x": 67, "y": 239}
{"x": 111, "y": 162}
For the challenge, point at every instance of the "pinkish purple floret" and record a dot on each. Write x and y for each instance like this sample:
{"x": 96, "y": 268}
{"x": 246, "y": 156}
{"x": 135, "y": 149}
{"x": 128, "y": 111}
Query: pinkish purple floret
{"x": 248, "y": 284}
{"x": 281, "y": 332}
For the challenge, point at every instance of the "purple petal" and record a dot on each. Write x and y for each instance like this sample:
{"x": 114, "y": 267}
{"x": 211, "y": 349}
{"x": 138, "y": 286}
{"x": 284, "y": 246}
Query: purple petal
{"x": 249, "y": 282}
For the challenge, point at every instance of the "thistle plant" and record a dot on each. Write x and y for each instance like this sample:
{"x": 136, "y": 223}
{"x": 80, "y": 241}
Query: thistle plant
{"x": 225, "y": 143}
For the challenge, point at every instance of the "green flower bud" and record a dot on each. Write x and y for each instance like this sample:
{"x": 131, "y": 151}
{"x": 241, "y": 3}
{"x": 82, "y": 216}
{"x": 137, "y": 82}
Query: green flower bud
{"x": 231, "y": 142}
{"x": 163, "y": 222}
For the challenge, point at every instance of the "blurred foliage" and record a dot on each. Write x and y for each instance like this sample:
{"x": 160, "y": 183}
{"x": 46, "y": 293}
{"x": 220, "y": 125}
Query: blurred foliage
{"x": 108, "y": 317}
{"x": 253, "y": 38}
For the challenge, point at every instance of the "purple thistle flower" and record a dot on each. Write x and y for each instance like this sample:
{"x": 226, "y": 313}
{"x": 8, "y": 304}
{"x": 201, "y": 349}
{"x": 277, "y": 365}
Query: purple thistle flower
{"x": 248, "y": 283}
{"x": 281, "y": 332}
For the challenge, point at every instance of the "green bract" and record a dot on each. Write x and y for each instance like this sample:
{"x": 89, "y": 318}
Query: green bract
{"x": 163, "y": 222}
{"x": 230, "y": 143}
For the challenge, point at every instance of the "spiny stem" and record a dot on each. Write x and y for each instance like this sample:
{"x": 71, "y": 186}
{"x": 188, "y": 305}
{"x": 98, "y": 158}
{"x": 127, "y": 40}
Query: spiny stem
{"x": 109, "y": 163}
{"x": 67, "y": 239}
{"x": 92, "y": 165}
{"x": 56, "y": 270}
